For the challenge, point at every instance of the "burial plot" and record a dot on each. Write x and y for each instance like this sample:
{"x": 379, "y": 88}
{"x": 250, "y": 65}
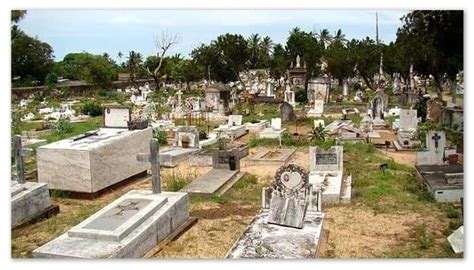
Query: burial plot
{"x": 95, "y": 160}
{"x": 205, "y": 157}
{"x": 274, "y": 131}
{"x": 317, "y": 110}
{"x": 280, "y": 156}
{"x": 326, "y": 173}
{"x": 444, "y": 181}
{"x": 255, "y": 127}
{"x": 128, "y": 227}
{"x": 186, "y": 143}
{"x": 233, "y": 129}
{"x": 290, "y": 223}
{"x": 29, "y": 200}
{"x": 407, "y": 128}
{"x": 377, "y": 109}
{"x": 225, "y": 172}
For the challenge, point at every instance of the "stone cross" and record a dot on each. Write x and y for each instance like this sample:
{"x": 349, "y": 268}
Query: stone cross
{"x": 436, "y": 138}
{"x": 20, "y": 152}
{"x": 179, "y": 94}
{"x": 153, "y": 158}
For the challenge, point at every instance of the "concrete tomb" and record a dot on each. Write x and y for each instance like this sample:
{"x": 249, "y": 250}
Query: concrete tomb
{"x": 407, "y": 128}
{"x": 326, "y": 173}
{"x": 233, "y": 129}
{"x": 377, "y": 109}
{"x": 257, "y": 126}
{"x": 317, "y": 110}
{"x": 128, "y": 227}
{"x": 29, "y": 200}
{"x": 225, "y": 173}
{"x": 456, "y": 240}
{"x": 274, "y": 131}
{"x": 95, "y": 160}
{"x": 444, "y": 181}
{"x": 290, "y": 223}
{"x": 188, "y": 135}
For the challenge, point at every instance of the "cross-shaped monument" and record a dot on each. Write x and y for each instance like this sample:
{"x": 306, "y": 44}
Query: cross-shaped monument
{"x": 436, "y": 138}
{"x": 153, "y": 158}
{"x": 179, "y": 94}
{"x": 20, "y": 152}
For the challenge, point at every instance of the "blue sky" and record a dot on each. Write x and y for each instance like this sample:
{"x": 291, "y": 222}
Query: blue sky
{"x": 111, "y": 31}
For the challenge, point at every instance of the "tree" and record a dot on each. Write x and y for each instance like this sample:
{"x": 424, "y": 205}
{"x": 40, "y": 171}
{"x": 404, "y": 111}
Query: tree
{"x": 134, "y": 61}
{"x": 339, "y": 37}
{"x": 32, "y": 59}
{"x": 163, "y": 43}
{"x": 17, "y": 15}
{"x": 438, "y": 38}
{"x": 340, "y": 61}
{"x": 324, "y": 37}
{"x": 308, "y": 47}
{"x": 279, "y": 62}
{"x": 367, "y": 58}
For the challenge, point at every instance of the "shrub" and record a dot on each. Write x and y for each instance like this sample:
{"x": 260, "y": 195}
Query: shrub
{"x": 454, "y": 214}
{"x": 160, "y": 135}
{"x": 91, "y": 108}
{"x": 62, "y": 126}
{"x": 51, "y": 79}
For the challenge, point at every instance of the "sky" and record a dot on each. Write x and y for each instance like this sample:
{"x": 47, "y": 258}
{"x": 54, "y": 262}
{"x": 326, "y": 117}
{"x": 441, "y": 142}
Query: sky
{"x": 113, "y": 31}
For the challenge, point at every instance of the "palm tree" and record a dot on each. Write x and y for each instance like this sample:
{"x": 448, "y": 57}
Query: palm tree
{"x": 254, "y": 48}
{"x": 324, "y": 37}
{"x": 18, "y": 15}
{"x": 339, "y": 37}
{"x": 133, "y": 64}
{"x": 120, "y": 55}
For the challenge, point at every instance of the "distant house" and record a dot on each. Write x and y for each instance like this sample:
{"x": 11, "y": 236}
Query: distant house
{"x": 124, "y": 77}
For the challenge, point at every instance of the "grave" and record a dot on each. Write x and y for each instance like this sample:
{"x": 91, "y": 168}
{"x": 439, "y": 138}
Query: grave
{"x": 257, "y": 126}
{"x": 270, "y": 157}
{"x": 274, "y": 131}
{"x": 289, "y": 95}
{"x": 290, "y": 223}
{"x": 326, "y": 173}
{"x": 224, "y": 174}
{"x": 444, "y": 181}
{"x": 186, "y": 143}
{"x": 456, "y": 240}
{"x": 233, "y": 129}
{"x": 128, "y": 227}
{"x": 406, "y": 131}
{"x": 95, "y": 160}
{"x": 317, "y": 110}
{"x": 377, "y": 109}
{"x": 205, "y": 156}
{"x": 349, "y": 111}
{"x": 29, "y": 200}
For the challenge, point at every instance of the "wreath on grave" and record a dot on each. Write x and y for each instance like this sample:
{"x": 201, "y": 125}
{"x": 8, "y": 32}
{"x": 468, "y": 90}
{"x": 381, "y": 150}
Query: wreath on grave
{"x": 291, "y": 179}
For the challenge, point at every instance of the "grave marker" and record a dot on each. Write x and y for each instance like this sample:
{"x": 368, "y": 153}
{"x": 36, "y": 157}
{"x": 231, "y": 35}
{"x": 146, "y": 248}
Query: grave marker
{"x": 20, "y": 152}
{"x": 152, "y": 157}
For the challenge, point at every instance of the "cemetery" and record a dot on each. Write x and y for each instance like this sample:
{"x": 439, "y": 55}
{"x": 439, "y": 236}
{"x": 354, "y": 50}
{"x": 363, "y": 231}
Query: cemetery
{"x": 212, "y": 155}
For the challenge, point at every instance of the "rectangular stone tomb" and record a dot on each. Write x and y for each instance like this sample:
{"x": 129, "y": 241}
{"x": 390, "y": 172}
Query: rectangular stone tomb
{"x": 271, "y": 157}
{"x": 444, "y": 182}
{"x": 270, "y": 241}
{"x": 205, "y": 157}
{"x": 326, "y": 173}
{"x": 234, "y": 128}
{"x": 91, "y": 163}
{"x": 127, "y": 228}
{"x": 256, "y": 127}
{"x": 171, "y": 157}
{"x": 28, "y": 201}
{"x": 212, "y": 182}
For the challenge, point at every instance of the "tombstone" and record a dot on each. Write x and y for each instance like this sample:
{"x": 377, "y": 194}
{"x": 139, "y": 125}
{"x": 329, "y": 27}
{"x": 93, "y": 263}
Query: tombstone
{"x": 326, "y": 173}
{"x": 290, "y": 222}
{"x": 152, "y": 157}
{"x": 366, "y": 124}
{"x": 29, "y": 200}
{"x": 233, "y": 129}
{"x": 456, "y": 240}
{"x": 290, "y": 95}
{"x": 116, "y": 116}
{"x": 274, "y": 131}
{"x": 317, "y": 110}
{"x": 345, "y": 87}
{"x": 179, "y": 94}
{"x": 435, "y": 110}
{"x": 191, "y": 132}
{"x": 288, "y": 201}
{"x": 276, "y": 123}
{"x": 377, "y": 108}
{"x": 149, "y": 111}
{"x": 434, "y": 154}
{"x": 408, "y": 120}
{"x": 286, "y": 112}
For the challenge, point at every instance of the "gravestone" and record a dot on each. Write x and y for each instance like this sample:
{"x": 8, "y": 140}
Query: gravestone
{"x": 326, "y": 173}
{"x": 152, "y": 157}
{"x": 289, "y": 202}
{"x": 435, "y": 110}
{"x": 318, "y": 108}
{"x": 234, "y": 120}
{"x": 286, "y": 112}
{"x": 276, "y": 123}
{"x": 189, "y": 131}
{"x": 116, "y": 116}
{"x": 407, "y": 127}
{"x": 434, "y": 154}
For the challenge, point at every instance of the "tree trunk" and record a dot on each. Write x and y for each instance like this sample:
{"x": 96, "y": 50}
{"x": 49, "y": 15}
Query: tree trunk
{"x": 439, "y": 90}
{"x": 368, "y": 82}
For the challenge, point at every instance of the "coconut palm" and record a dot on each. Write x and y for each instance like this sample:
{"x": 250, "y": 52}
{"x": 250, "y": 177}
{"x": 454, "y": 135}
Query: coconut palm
{"x": 325, "y": 37}
{"x": 339, "y": 37}
{"x": 133, "y": 64}
{"x": 18, "y": 15}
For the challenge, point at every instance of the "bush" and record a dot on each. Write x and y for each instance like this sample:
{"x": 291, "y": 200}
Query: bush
{"x": 160, "y": 135}
{"x": 454, "y": 214}
{"x": 51, "y": 79}
{"x": 92, "y": 108}
{"x": 62, "y": 126}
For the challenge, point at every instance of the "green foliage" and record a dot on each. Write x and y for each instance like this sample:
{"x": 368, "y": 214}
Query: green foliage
{"x": 51, "y": 80}
{"x": 32, "y": 59}
{"x": 160, "y": 135}
{"x": 454, "y": 214}
{"x": 62, "y": 126}
{"x": 77, "y": 128}
{"x": 318, "y": 133}
{"x": 92, "y": 108}
{"x": 301, "y": 96}
{"x": 424, "y": 239}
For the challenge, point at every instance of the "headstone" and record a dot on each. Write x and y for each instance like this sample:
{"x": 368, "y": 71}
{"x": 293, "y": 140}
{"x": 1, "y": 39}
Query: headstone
{"x": 408, "y": 120}
{"x": 318, "y": 106}
{"x": 276, "y": 123}
{"x": 435, "y": 149}
{"x": 189, "y": 131}
{"x": 235, "y": 120}
{"x": 286, "y": 111}
{"x": 152, "y": 157}
{"x": 20, "y": 152}
{"x": 288, "y": 203}
{"x": 116, "y": 116}
{"x": 456, "y": 240}
{"x": 435, "y": 110}
{"x": 326, "y": 160}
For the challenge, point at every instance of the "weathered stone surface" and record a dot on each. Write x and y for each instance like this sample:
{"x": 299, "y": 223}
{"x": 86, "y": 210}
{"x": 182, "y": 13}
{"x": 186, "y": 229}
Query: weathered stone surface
{"x": 28, "y": 200}
{"x": 434, "y": 153}
{"x": 93, "y": 163}
{"x": 116, "y": 116}
{"x": 191, "y": 132}
{"x": 456, "y": 239}
{"x": 171, "y": 157}
{"x": 210, "y": 182}
{"x": 161, "y": 221}
{"x": 270, "y": 241}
